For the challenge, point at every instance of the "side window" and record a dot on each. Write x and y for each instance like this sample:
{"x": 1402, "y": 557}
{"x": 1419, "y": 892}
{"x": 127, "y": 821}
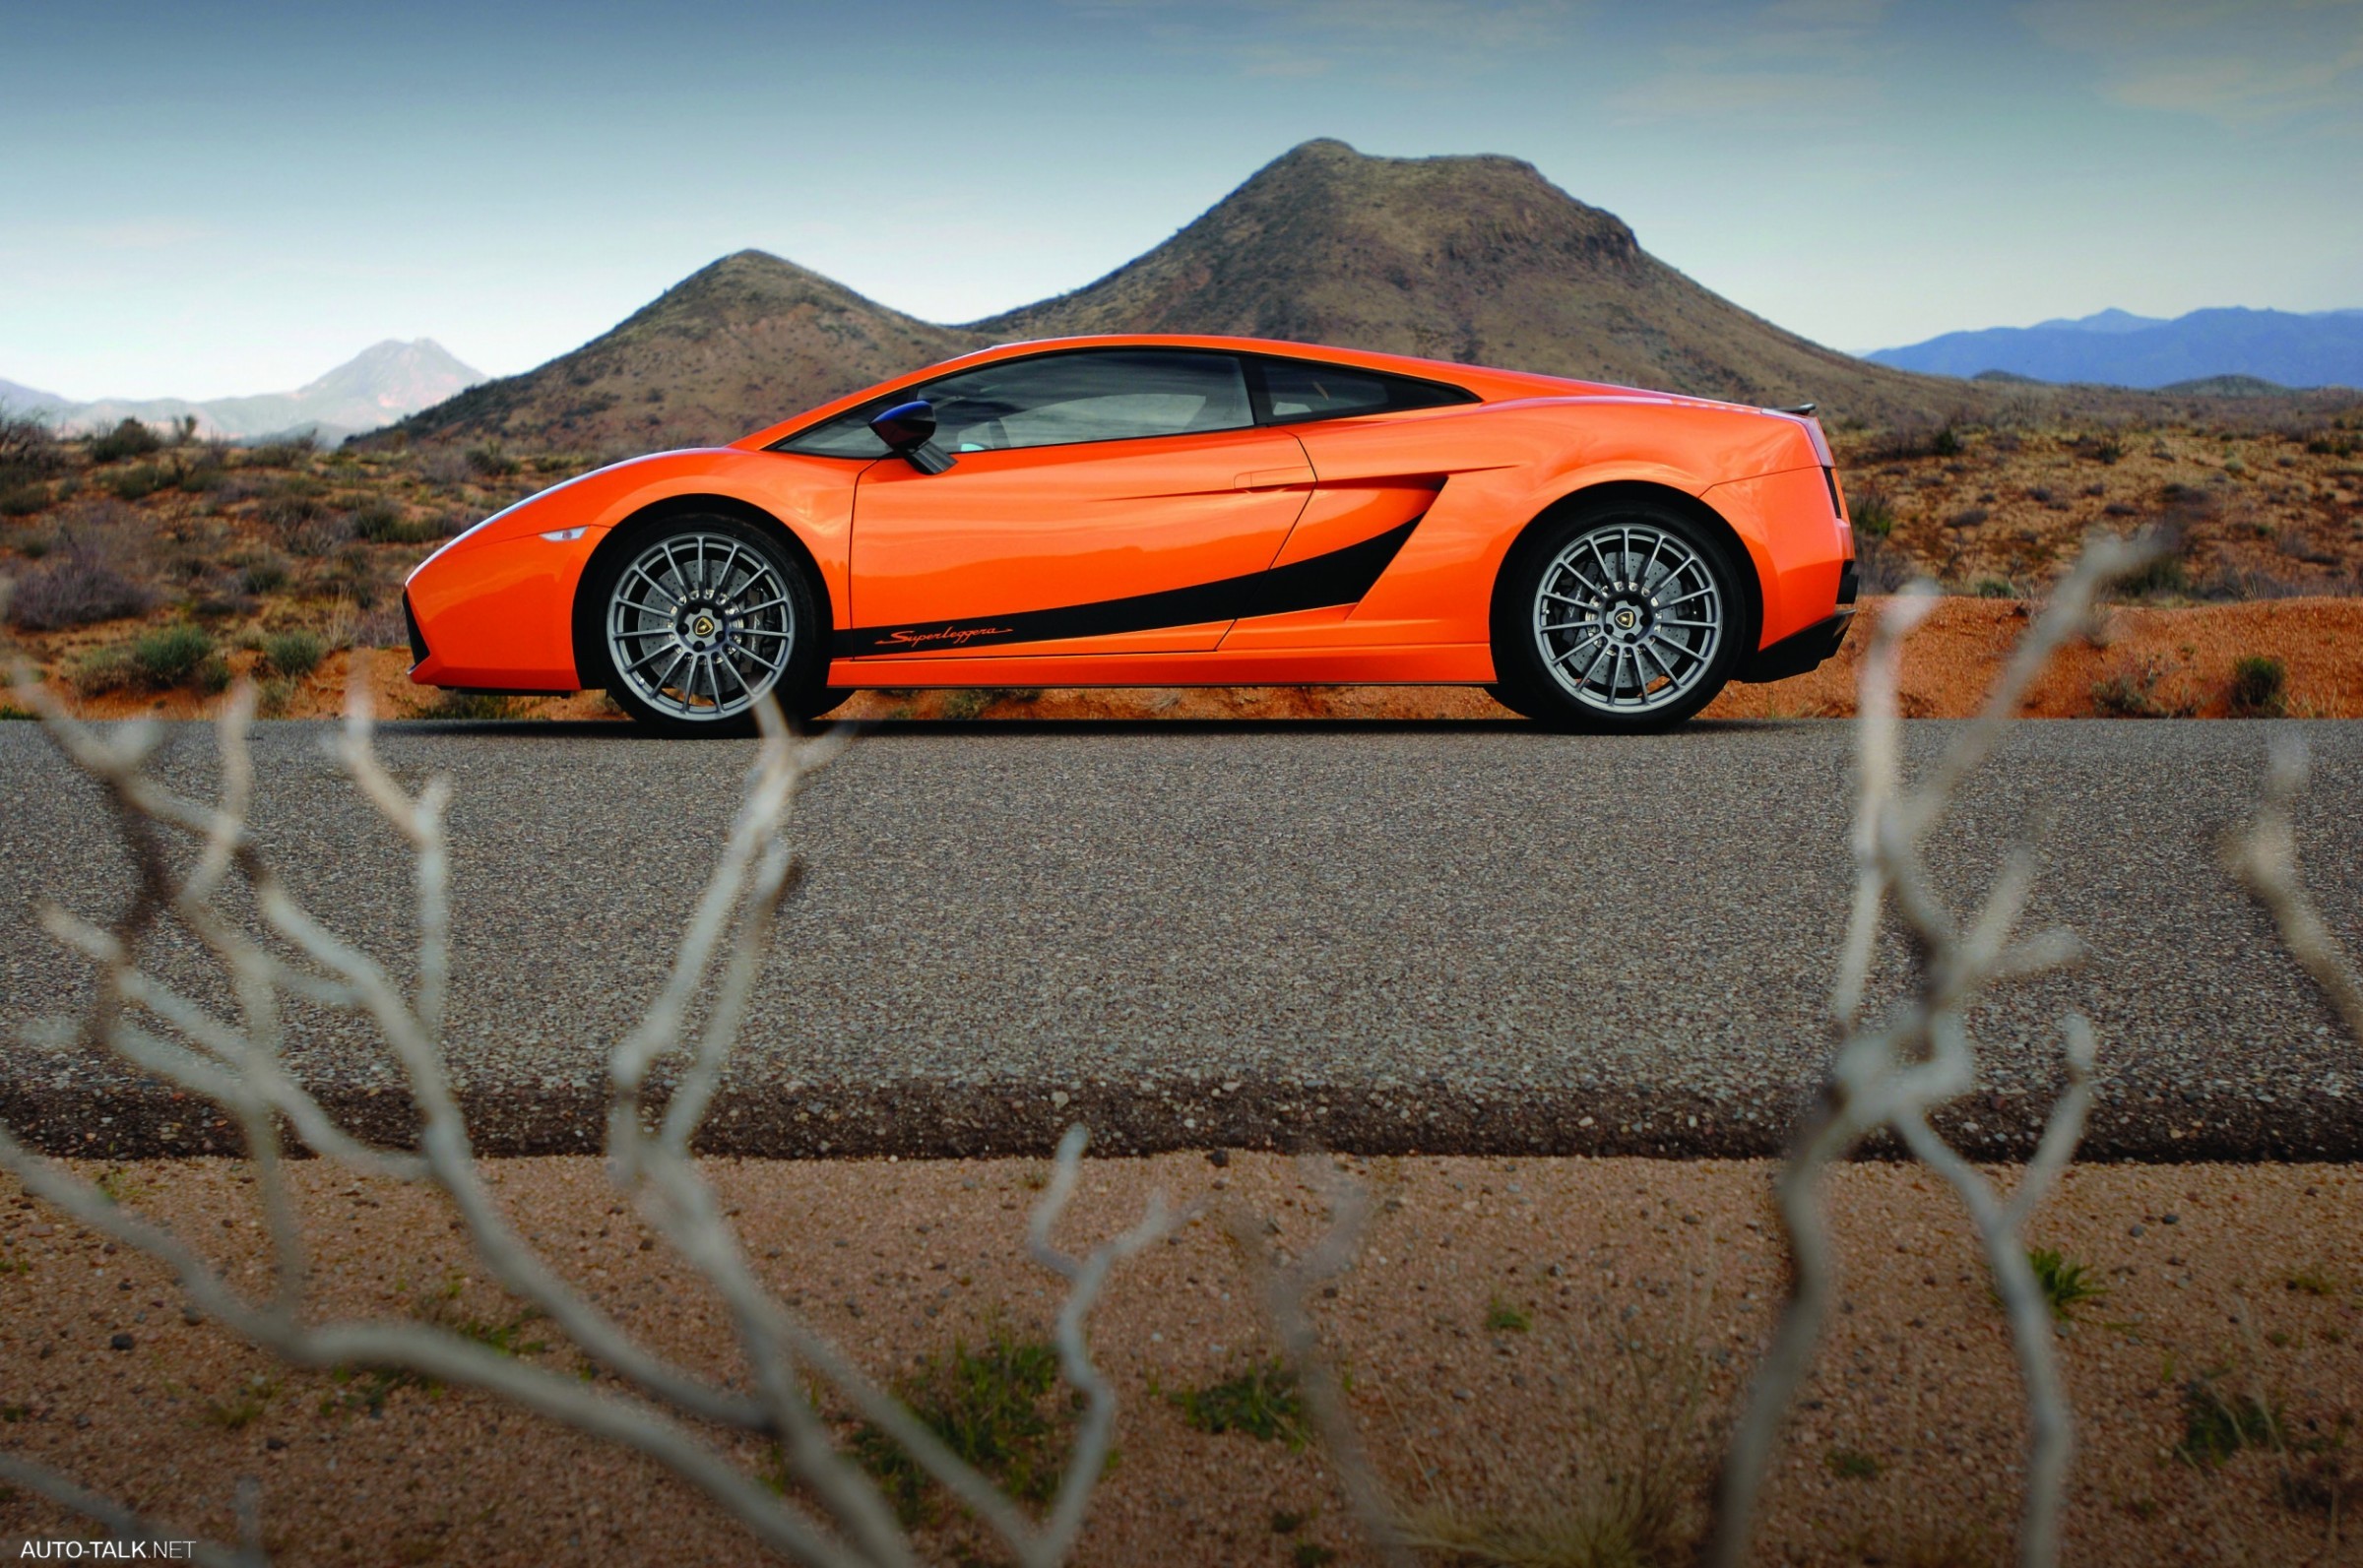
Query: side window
{"x": 1103, "y": 395}
{"x": 1058, "y": 400}
{"x": 1299, "y": 389}
{"x": 845, "y": 436}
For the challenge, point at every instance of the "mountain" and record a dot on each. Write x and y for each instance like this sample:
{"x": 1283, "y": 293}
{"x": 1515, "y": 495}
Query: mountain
{"x": 743, "y": 342}
{"x": 17, "y": 397}
{"x": 1474, "y": 259}
{"x": 2110, "y": 320}
{"x": 376, "y": 386}
{"x": 2115, "y": 349}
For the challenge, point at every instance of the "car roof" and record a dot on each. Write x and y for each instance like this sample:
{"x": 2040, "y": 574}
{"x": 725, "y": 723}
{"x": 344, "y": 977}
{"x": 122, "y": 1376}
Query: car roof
{"x": 1489, "y": 384}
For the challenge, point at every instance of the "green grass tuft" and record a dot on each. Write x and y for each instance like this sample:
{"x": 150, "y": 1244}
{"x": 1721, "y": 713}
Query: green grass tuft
{"x": 1262, "y": 1402}
{"x": 992, "y": 1406}
{"x": 1504, "y": 1317}
{"x": 2066, "y": 1286}
{"x": 1851, "y": 1463}
{"x": 2217, "y": 1426}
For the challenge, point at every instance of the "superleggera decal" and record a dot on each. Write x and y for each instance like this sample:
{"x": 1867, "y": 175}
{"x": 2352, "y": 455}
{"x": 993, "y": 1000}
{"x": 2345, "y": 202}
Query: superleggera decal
{"x": 1319, "y": 581}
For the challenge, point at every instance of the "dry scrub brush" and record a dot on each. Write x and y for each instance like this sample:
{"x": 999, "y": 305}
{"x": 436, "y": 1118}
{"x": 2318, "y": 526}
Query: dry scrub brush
{"x": 834, "y": 1513}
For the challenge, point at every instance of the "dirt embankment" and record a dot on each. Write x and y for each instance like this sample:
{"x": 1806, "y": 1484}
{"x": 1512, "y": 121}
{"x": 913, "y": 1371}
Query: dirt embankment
{"x": 1517, "y": 1331}
{"x": 2141, "y": 661}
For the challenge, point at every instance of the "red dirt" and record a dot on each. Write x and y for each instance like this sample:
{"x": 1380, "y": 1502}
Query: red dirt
{"x": 2141, "y": 661}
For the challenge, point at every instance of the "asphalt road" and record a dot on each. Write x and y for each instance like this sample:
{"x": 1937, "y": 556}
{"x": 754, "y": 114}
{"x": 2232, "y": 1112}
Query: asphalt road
{"x": 1460, "y": 937}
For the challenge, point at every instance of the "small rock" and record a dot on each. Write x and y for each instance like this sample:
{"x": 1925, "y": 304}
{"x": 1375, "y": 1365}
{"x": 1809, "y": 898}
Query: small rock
{"x": 1218, "y": 1157}
{"x": 191, "y": 1315}
{"x": 2170, "y": 1219}
{"x": 2134, "y": 1229}
{"x": 274, "y": 1444}
{"x": 121, "y": 1342}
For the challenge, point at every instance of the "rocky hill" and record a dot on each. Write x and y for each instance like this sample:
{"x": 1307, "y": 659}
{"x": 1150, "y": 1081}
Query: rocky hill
{"x": 1475, "y": 259}
{"x": 1472, "y": 259}
{"x": 734, "y": 347}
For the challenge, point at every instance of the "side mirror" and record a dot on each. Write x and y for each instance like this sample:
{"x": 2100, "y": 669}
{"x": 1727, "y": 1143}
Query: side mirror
{"x": 909, "y": 431}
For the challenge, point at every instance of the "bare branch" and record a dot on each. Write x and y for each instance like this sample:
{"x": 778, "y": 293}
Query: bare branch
{"x": 2263, "y": 858}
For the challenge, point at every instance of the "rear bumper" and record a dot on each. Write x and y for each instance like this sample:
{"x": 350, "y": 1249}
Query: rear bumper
{"x": 1799, "y": 651}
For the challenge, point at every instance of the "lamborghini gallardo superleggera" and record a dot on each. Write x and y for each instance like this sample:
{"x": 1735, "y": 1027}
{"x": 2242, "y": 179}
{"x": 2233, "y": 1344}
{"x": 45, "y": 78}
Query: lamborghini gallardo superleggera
{"x": 1172, "y": 510}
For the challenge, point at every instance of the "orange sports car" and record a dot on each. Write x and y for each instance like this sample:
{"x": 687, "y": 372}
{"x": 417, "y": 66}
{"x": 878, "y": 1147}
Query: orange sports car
{"x": 1172, "y": 510}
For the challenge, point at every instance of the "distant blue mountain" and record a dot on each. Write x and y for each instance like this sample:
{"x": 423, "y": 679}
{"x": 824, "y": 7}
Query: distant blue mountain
{"x": 2117, "y": 349}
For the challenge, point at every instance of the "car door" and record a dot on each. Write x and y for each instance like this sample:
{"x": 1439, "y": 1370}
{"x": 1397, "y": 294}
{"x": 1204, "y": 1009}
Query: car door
{"x": 1107, "y": 500}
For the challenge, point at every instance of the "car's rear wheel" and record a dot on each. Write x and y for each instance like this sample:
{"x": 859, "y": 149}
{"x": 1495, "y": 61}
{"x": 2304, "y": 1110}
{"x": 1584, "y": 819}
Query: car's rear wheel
{"x": 1628, "y": 618}
{"x": 698, "y": 618}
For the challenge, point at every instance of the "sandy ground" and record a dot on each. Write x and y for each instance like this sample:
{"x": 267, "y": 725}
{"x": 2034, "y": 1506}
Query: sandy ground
{"x": 2172, "y": 661}
{"x": 1635, "y": 1279}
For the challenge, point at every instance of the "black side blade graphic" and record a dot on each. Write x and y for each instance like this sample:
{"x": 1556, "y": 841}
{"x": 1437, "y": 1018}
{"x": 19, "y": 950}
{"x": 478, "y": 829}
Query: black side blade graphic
{"x": 1319, "y": 582}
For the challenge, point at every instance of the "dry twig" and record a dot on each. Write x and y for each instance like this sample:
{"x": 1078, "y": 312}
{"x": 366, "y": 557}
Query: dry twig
{"x": 665, "y": 1411}
{"x": 1892, "y": 1076}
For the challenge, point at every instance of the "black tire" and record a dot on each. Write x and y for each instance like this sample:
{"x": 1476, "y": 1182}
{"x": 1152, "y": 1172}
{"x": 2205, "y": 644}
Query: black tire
{"x": 1657, "y": 616}
{"x": 736, "y": 594}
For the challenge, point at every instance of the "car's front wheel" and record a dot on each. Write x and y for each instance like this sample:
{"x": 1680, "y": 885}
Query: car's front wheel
{"x": 1622, "y": 618}
{"x": 698, "y": 619}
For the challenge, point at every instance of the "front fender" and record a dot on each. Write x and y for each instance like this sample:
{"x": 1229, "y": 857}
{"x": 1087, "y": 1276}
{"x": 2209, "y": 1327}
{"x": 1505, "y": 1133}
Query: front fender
{"x": 495, "y": 607}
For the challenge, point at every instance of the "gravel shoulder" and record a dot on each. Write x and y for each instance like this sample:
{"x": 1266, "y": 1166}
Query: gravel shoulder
{"x": 1513, "y": 1327}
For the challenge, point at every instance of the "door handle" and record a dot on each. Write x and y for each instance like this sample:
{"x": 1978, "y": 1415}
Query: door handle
{"x": 1272, "y": 479}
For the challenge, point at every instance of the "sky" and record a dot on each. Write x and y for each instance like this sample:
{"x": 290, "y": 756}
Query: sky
{"x": 209, "y": 198}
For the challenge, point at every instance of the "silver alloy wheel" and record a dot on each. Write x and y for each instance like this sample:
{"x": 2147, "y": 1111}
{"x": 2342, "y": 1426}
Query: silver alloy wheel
{"x": 699, "y": 625}
{"x": 1627, "y": 617}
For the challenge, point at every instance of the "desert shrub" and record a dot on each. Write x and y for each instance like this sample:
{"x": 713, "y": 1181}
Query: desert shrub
{"x": 293, "y": 654}
{"x": 203, "y": 477}
{"x": 445, "y": 466}
{"x": 178, "y": 656}
{"x": 1946, "y": 443}
{"x": 1873, "y": 512}
{"x": 492, "y": 461}
{"x": 354, "y": 575}
{"x": 1880, "y": 565}
{"x": 264, "y": 574}
{"x": 287, "y": 452}
{"x": 1994, "y": 587}
{"x": 28, "y": 445}
{"x": 23, "y": 497}
{"x": 1904, "y": 441}
{"x": 139, "y": 480}
{"x": 381, "y": 522}
{"x": 89, "y": 577}
{"x": 2299, "y": 546}
{"x": 2260, "y": 687}
{"x": 102, "y": 671}
{"x": 129, "y": 439}
{"x": 2132, "y": 692}
{"x": 2242, "y": 584}
{"x": 1968, "y": 517}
